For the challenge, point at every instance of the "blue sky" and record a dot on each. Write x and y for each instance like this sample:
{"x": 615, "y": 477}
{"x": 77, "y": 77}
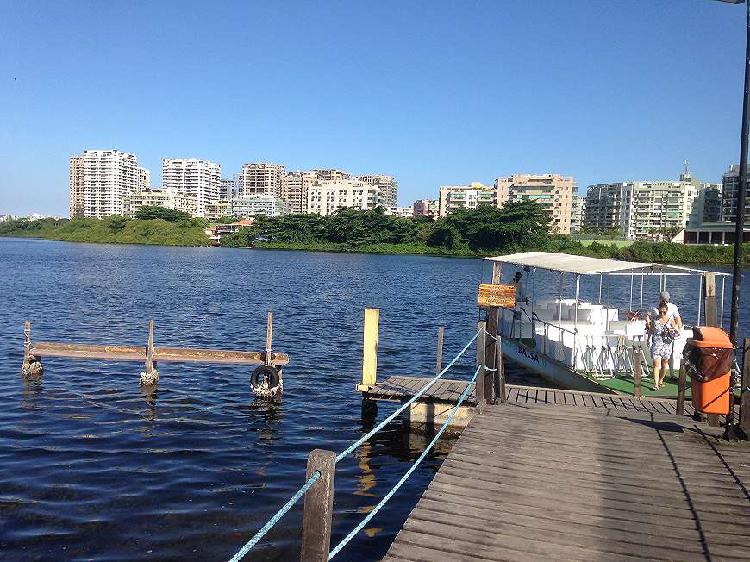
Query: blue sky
{"x": 432, "y": 92}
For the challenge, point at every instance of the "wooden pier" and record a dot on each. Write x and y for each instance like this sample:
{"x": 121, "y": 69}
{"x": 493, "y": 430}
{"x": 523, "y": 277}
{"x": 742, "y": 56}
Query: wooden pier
{"x": 534, "y": 479}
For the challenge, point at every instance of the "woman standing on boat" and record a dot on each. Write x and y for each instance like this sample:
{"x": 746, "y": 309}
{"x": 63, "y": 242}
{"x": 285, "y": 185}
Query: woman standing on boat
{"x": 663, "y": 332}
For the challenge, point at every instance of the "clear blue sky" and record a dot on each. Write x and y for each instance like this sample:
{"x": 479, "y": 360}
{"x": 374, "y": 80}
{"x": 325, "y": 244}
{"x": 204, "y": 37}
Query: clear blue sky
{"x": 433, "y": 92}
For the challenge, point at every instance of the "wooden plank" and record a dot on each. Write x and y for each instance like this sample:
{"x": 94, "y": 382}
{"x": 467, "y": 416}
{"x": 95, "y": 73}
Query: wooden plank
{"x": 370, "y": 347}
{"x": 138, "y": 353}
{"x": 318, "y": 507}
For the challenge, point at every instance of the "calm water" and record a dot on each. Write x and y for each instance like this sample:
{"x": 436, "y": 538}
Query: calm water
{"x": 91, "y": 467}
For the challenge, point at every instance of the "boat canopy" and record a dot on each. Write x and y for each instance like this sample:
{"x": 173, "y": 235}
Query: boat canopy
{"x": 584, "y": 265}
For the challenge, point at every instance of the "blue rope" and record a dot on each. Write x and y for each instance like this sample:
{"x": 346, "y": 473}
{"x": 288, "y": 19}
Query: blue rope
{"x": 405, "y": 405}
{"x": 390, "y": 494}
{"x": 279, "y": 514}
{"x": 314, "y": 478}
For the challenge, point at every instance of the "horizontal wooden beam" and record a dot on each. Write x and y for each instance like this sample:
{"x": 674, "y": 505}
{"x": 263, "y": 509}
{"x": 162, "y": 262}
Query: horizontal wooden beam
{"x": 138, "y": 353}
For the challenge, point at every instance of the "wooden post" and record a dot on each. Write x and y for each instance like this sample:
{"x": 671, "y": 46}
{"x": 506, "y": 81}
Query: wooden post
{"x": 709, "y": 294}
{"x": 269, "y": 337}
{"x": 439, "y": 354}
{"x": 681, "y": 391}
{"x": 317, "y": 516}
{"x": 745, "y": 393}
{"x": 32, "y": 365}
{"x": 491, "y": 359}
{"x": 479, "y": 387}
{"x": 150, "y": 376}
{"x": 500, "y": 378}
{"x": 637, "y": 372}
{"x": 370, "y": 350}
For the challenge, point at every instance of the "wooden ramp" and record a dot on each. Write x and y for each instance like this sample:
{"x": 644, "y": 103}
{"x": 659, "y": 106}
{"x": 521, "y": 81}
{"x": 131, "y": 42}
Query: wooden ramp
{"x": 528, "y": 481}
{"x": 445, "y": 390}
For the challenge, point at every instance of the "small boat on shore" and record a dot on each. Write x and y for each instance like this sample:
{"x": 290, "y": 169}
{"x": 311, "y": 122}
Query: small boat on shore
{"x": 582, "y": 345}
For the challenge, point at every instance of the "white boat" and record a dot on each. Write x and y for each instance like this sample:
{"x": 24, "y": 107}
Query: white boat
{"x": 584, "y": 345}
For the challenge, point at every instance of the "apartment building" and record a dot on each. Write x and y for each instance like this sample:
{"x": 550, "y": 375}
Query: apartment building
{"x": 228, "y": 188}
{"x": 256, "y": 205}
{"x": 388, "y": 187}
{"x": 426, "y": 208}
{"x": 101, "y": 180}
{"x": 160, "y": 198}
{"x": 646, "y": 209}
{"x": 261, "y": 178}
{"x": 577, "y": 212}
{"x": 331, "y": 174}
{"x": 217, "y": 210}
{"x": 193, "y": 177}
{"x": 327, "y": 197}
{"x": 294, "y": 190}
{"x": 402, "y": 212}
{"x": 455, "y": 197}
{"x": 729, "y": 191}
{"x": 552, "y": 191}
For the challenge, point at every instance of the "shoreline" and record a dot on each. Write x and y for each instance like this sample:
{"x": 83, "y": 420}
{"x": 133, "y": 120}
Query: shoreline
{"x": 394, "y": 250}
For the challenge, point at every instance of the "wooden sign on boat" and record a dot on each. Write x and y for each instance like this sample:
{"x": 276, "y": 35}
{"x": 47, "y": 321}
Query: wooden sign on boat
{"x": 496, "y": 296}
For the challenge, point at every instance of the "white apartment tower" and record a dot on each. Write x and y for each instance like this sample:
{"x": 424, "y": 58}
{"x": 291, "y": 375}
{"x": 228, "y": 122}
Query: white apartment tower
{"x": 388, "y": 187}
{"x": 101, "y": 180}
{"x": 193, "y": 177}
{"x": 327, "y": 197}
{"x": 552, "y": 191}
{"x": 262, "y": 178}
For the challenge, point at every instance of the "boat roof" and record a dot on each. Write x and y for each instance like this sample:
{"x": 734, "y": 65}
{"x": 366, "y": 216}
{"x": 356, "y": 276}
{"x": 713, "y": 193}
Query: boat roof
{"x": 584, "y": 265}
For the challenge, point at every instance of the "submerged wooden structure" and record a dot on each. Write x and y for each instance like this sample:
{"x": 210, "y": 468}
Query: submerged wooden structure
{"x": 33, "y": 352}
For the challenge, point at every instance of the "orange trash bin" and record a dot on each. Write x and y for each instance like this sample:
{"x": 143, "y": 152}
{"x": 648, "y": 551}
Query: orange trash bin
{"x": 709, "y": 355}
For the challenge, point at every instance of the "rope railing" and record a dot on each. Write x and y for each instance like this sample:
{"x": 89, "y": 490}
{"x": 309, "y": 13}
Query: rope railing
{"x": 406, "y": 475}
{"x": 316, "y": 476}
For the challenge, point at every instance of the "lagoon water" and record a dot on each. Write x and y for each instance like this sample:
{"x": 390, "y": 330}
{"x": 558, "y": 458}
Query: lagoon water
{"x": 92, "y": 467}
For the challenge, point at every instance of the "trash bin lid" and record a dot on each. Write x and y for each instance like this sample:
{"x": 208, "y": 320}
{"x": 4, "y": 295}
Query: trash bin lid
{"x": 707, "y": 336}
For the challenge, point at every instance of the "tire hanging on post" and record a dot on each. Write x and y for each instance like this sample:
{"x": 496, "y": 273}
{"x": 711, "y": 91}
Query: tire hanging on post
{"x": 267, "y": 381}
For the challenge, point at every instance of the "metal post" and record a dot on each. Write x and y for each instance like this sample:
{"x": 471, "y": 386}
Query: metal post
{"x": 601, "y": 281}
{"x": 721, "y": 306}
{"x": 630, "y": 305}
{"x": 700, "y": 299}
{"x": 642, "y": 277}
{"x": 559, "y": 300}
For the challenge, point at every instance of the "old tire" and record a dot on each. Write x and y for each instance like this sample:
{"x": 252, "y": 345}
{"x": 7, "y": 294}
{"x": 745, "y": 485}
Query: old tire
{"x": 265, "y": 373}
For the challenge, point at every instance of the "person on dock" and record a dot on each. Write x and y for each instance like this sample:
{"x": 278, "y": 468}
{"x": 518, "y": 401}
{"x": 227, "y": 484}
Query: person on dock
{"x": 663, "y": 332}
{"x": 673, "y": 313}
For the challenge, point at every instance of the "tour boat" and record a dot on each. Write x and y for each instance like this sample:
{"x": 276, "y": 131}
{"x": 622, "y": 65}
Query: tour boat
{"x": 586, "y": 345}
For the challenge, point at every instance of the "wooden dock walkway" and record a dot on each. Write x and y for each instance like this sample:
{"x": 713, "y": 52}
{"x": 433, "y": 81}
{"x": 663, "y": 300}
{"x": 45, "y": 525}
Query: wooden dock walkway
{"x": 447, "y": 391}
{"x": 535, "y": 481}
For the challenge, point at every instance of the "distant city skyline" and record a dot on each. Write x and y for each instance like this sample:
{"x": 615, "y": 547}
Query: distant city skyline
{"x": 442, "y": 94}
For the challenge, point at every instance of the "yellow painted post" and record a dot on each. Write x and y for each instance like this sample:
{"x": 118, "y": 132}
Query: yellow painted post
{"x": 370, "y": 350}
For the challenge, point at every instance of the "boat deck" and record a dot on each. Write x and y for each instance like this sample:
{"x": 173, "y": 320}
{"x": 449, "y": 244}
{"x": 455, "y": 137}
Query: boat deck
{"x": 539, "y": 482}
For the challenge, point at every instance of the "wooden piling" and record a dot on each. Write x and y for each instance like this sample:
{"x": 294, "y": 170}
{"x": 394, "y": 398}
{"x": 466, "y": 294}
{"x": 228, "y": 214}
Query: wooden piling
{"x": 500, "y": 373}
{"x": 681, "y": 391}
{"x": 439, "y": 353}
{"x": 150, "y": 376}
{"x": 637, "y": 371}
{"x": 370, "y": 349}
{"x": 269, "y": 337}
{"x": 745, "y": 393}
{"x": 317, "y": 516}
{"x": 480, "y": 386}
{"x": 493, "y": 319}
{"x": 32, "y": 364}
{"x": 709, "y": 299}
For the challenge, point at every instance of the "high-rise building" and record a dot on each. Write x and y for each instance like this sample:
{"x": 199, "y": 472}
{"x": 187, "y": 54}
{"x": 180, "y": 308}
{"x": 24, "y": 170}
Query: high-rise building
{"x": 228, "y": 188}
{"x": 294, "y": 190}
{"x": 552, "y": 191}
{"x": 646, "y": 209}
{"x": 729, "y": 193}
{"x": 101, "y": 180}
{"x": 577, "y": 212}
{"x": 608, "y": 207}
{"x": 388, "y": 187}
{"x": 262, "y": 178}
{"x": 455, "y": 197}
{"x": 200, "y": 179}
{"x": 331, "y": 174}
{"x": 327, "y": 197}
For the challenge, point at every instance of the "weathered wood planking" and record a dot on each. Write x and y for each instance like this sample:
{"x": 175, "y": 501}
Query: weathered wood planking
{"x": 138, "y": 353}
{"x": 526, "y": 481}
{"x": 446, "y": 390}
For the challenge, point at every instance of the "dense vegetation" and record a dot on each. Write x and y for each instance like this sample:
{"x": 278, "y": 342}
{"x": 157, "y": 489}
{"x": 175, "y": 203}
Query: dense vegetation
{"x": 113, "y": 230}
{"x": 485, "y": 231}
